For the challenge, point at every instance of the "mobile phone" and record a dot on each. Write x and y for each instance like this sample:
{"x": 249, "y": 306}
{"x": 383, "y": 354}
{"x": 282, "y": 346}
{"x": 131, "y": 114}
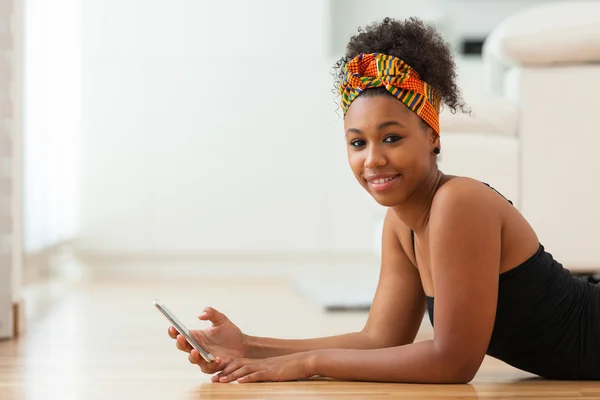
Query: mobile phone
{"x": 183, "y": 330}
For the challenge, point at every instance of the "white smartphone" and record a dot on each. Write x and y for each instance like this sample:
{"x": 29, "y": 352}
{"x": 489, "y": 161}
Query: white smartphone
{"x": 183, "y": 330}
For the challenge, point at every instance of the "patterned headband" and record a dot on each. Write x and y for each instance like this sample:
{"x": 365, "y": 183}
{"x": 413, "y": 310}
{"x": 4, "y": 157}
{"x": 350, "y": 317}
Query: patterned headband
{"x": 375, "y": 70}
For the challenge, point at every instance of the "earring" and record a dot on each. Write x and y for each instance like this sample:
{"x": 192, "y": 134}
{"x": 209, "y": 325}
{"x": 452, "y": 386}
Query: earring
{"x": 436, "y": 150}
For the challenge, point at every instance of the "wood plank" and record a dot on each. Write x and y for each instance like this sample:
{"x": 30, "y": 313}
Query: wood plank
{"x": 105, "y": 340}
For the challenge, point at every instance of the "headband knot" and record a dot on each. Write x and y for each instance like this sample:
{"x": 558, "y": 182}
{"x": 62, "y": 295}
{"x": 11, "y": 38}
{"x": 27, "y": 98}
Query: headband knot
{"x": 373, "y": 70}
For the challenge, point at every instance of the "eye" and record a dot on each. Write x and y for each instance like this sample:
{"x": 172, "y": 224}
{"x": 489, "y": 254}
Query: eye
{"x": 357, "y": 143}
{"x": 392, "y": 138}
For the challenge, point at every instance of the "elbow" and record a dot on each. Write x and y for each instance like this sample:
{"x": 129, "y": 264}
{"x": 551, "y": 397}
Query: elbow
{"x": 457, "y": 374}
{"x": 459, "y": 369}
{"x": 462, "y": 377}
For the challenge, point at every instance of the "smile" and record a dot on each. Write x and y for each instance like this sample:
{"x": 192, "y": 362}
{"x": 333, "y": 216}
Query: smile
{"x": 383, "y": 180}
{"x": 380, "y": 185}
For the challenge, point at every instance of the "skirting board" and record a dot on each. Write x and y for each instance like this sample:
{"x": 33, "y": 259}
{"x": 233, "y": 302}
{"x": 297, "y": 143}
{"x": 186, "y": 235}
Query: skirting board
{"x": 339, "y": 282}
{"x": 315, "y": 266}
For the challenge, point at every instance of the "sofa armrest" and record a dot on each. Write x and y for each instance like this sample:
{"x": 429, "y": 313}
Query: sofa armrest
{"x": 551, "y": 34}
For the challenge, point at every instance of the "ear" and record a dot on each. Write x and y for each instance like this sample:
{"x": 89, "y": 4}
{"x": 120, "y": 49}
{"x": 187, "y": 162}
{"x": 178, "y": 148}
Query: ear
{"x": 434, "y": 138}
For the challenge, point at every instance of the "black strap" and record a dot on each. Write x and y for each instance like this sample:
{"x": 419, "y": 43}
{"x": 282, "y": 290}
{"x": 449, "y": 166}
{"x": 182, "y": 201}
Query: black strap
{"x": 412, "y": 238}
{"x": 498, "y": 192}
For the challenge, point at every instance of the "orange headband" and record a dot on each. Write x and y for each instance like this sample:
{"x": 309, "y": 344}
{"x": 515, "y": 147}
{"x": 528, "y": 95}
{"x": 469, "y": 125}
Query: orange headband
{"x": 375, "y": 70}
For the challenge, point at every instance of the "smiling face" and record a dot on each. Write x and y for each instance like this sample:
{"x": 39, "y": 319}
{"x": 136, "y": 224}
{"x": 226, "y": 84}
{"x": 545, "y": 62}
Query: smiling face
{"x": 390, "y": 150}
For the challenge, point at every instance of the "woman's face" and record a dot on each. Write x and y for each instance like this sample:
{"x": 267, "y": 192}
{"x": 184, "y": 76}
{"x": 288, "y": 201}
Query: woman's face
{"x": 389, "y": 150}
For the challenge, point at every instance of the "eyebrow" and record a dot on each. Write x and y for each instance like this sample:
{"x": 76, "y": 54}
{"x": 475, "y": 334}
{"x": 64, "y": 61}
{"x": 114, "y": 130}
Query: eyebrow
{"x": 381, "y": 126}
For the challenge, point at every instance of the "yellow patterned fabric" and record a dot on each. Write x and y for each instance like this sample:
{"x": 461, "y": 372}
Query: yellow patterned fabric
{"x": 376, "y": 70}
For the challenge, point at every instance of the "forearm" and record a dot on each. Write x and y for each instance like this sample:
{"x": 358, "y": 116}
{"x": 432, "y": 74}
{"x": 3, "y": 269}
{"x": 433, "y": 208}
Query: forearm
{"x": 419, "y": 362}
{"x": 261, "y": 347}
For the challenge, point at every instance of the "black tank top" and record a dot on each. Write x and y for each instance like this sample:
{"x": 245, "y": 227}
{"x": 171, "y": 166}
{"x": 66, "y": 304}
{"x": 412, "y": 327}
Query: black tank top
{"x": 547, "y": 321}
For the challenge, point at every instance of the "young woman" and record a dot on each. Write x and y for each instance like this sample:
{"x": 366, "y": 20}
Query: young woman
{"x": 452, "y": 239}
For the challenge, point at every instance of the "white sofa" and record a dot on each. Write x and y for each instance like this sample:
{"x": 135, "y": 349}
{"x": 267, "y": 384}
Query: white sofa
{"x": 534, "y": 135}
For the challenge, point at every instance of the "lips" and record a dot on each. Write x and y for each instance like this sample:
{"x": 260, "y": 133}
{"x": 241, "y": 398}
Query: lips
{"x": 379, "y": 176}
{"x": 382, "y": 183}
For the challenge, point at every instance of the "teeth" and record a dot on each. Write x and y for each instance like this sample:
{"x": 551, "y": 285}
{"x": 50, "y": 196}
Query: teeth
{"x": 379, "y": 181}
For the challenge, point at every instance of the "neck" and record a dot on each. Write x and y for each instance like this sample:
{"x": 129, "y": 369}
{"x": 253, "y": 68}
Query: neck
{"x": 414, "y": 212}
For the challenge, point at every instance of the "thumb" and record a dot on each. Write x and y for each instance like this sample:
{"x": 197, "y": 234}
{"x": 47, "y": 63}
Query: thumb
{"x": 214, "y": 316}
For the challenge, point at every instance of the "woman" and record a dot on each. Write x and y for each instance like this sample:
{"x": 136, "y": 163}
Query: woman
{"x": 448, "y": 238}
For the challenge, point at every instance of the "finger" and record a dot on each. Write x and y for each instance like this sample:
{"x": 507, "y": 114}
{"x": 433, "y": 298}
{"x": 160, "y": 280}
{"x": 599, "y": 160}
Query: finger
{"x": 173, "y": 332}
{"x": 235, "y": 364}
{"x": 245, "y": 370}
{"x": 214, "y": 316}
{"x": 259, "y": 376}
{"x": 182, "y": 344}
{"x": 196, "y": 358}
{"x": 207, "y": 368}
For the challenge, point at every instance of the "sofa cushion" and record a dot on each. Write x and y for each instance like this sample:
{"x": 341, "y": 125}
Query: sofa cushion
{"x": 556, "y": 33}
{"x": 489, "y": 115}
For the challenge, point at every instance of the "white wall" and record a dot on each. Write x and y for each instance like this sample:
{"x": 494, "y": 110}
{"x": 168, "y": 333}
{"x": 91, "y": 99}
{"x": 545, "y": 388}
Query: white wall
{"x": 348, "y": 15}
{"x": 51, "y": 122}
{"x": 211, "y": 127}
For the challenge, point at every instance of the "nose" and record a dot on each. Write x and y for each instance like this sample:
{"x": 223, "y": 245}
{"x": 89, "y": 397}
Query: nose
{"x": 375, "y": 157}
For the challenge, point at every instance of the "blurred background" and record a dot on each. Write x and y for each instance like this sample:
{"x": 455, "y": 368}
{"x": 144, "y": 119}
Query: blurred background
{"x": 190, "y": 138}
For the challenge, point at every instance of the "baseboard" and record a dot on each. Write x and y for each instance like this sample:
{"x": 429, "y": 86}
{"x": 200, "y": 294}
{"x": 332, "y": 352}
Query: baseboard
{"x": 178, "y": 266}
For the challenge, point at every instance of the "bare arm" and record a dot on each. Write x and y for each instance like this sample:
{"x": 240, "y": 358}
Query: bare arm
{"x": 264, "y": 347}
{"x": 465, "y": 255}
{"x": 395, "y": 314}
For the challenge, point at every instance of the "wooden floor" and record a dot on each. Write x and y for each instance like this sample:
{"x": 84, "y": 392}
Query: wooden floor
{"x": 105, "y": 340}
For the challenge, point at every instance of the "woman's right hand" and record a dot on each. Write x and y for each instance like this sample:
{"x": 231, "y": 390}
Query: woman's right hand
{"x": 224, "y": 340}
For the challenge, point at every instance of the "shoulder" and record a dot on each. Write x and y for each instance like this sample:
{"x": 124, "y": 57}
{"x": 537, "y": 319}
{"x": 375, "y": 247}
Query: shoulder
{"x": 466, "y": 201}
{"x": 465, "y": 192}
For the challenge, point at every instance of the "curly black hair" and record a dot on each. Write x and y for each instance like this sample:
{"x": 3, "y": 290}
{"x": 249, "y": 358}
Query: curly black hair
{"x": 417, "y": 44}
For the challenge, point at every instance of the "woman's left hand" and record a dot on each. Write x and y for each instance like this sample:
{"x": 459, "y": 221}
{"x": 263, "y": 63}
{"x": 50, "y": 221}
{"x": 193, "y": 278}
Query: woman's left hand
{"x": 274, "y": 369}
